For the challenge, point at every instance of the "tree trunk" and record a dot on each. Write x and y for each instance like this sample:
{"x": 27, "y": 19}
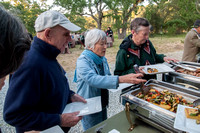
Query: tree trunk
{"x": 100, "y": 17}
{"x": 99, "y": 25}
{"x": 122, "y": 34}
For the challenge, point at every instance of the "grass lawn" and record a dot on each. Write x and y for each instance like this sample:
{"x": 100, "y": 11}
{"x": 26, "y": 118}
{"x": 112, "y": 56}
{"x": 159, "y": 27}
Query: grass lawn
{"x": 163, "y": 44}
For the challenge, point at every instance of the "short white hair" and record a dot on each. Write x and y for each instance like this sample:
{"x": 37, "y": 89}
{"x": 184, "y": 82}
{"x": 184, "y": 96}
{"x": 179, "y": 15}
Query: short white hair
{"x": 93, "y": 36}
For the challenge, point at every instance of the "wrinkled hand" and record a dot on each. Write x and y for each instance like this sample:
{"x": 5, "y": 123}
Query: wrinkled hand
{"x": 78, "y": 98}
{"x": 168, "y": 59}
{"x": 70, "y": 119}
{"x": 131, "y": 78}
{"x": 2, "y": 82}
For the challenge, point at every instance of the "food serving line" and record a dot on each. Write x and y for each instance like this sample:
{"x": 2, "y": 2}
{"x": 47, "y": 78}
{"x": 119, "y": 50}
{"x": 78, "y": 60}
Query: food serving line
{"x": 185, "y": 78}
{"x": 144, "y": 116}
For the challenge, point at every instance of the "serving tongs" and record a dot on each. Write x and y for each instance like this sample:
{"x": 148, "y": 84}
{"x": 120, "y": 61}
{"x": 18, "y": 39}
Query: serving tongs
{"x": 177, "y": 64}
{"x": 142, "y": 85}
{"x": 196, "y": 103}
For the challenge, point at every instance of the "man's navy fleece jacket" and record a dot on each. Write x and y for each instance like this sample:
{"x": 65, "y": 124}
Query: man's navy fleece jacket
{"x": 38, "y": 90}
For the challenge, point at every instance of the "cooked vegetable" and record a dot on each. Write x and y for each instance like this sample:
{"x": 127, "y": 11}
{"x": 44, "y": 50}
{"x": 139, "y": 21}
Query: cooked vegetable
{"x": 152, "y": 70}
{"x": 193, "y": 114}
{"x": 164, "y": 99}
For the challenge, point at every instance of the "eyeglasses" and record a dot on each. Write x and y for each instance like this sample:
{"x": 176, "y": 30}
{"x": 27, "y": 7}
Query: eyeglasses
{"x": 103, "y": 44}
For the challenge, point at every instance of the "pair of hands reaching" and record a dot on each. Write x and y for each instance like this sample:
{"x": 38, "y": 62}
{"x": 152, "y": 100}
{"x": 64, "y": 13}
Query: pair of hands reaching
{"x": 71, "y": 119}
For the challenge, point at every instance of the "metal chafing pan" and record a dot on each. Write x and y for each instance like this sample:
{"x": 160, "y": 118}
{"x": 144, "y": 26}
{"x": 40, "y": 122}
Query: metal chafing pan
{"x": 187, "y": 76}
{"x": 186, "y": 80}
{"x": 153, "y": 112}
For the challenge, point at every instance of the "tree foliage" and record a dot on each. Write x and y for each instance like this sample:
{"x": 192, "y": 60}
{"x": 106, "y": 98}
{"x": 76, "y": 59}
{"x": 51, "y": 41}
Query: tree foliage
{"x": 175, "y": 26}
{"x": 161, "y": 13}
{"x": 121, "y": 13}
{"x": 168, "y": 16}
{"x": 26, "y": 10}
{"x": 78, "y": 20}
{"x": 93, "y": 8}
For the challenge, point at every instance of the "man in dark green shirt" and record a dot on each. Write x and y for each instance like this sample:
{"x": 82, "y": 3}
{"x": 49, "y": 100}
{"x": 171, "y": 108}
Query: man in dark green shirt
{"x": 137, "y": 49}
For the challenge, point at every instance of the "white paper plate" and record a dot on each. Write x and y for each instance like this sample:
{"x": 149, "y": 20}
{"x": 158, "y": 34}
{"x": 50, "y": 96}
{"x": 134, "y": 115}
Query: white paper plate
{"x": 183, "y": 123}
{"x": 93, "y": 105}
{"x": 162, "y": 68}
{"x": 55, "y": 129}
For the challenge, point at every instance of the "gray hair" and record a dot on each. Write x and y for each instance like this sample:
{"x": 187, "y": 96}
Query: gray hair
{"x": 93, "y": 36}
{"x": 137, "y": 23}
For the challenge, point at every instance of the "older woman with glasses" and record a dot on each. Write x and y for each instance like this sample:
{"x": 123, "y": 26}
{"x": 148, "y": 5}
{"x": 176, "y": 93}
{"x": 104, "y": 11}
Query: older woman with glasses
{"x": 138, "y": 49}
{"x": 93, "y": 76}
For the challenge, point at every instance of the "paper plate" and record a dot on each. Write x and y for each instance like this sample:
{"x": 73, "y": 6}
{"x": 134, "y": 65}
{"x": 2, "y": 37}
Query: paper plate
{"x": 93, "y": 105}
{"x": 183, "y": 123}
{"x": 162, "y": 68}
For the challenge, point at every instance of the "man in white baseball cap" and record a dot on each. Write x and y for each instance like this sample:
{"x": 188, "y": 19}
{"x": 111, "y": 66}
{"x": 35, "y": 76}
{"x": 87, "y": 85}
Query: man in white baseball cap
{"x": 40, "y": 87}
{"x": 50, "y": 19}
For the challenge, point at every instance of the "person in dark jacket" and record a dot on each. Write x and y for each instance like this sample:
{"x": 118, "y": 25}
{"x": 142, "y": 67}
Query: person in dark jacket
{"x": 137, "y": 49}
{"x": 109, "y": 32}
{"x": 192, "y": 43}
{"x": 39, "y": 90}
{"x": 14, "y": 42}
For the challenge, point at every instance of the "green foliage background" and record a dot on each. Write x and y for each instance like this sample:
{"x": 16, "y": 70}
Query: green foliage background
{"x": 166, "y": 16}
{"x": 171, "y": 16}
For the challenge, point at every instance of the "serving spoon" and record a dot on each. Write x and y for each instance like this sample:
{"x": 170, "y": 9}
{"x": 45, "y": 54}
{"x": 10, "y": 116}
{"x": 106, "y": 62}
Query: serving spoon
{"x": 196, "y": 103}
{"x": 142, "y": 86}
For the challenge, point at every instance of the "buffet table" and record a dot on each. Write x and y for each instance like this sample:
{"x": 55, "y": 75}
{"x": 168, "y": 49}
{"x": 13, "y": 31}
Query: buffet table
{"x": 120, "y": 123}
{"x": 141, "y": 116}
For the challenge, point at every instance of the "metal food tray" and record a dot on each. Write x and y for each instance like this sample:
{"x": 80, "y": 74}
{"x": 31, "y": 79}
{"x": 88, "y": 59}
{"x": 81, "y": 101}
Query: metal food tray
{"x": 155, "y": 113}
{"x": 180, "y": 88}
{"x": 186, "y": 76}
{"x": 190, "y": 84}
{"x": 190, "y": 63}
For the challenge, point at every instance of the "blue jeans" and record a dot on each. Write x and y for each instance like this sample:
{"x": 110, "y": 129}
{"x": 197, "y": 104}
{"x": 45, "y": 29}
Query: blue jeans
{"x": 89, "y": 121}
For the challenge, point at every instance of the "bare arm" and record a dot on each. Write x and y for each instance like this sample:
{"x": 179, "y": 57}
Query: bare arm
{"x": 131, "y": 78}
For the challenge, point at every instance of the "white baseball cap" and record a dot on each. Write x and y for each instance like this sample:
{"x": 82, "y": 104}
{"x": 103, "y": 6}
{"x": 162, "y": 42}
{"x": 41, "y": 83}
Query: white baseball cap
{"x": 52, "y": 18}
